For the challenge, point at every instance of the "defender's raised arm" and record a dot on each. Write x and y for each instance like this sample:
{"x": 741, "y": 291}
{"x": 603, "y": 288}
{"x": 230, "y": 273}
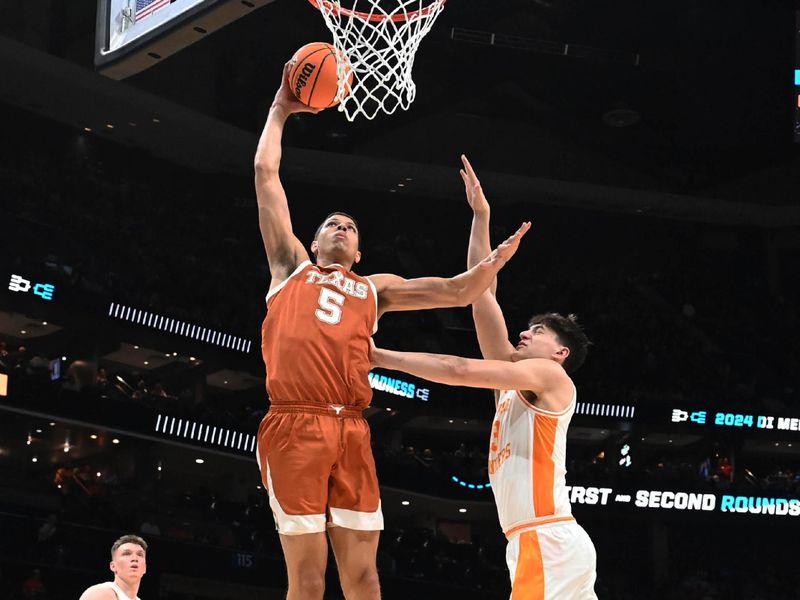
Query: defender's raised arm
{"x": 490, "y": 324}
{"x": 397, "y": 293}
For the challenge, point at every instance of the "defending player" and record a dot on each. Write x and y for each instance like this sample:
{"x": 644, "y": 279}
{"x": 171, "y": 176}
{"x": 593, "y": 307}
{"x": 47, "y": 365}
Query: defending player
{"x": 314, "y": 445}
{"x": 549, "y": 556}
{"x": 129, "y": 564}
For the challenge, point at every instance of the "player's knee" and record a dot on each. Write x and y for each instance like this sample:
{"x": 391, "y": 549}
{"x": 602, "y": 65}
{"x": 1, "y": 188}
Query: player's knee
{"x": 369, "y": 578}
{"x": 364, "y": 581}
{"x": 308, "y": 584}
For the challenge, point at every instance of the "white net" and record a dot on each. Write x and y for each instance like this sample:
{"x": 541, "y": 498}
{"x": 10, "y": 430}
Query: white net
{"x": 380, "y": 39}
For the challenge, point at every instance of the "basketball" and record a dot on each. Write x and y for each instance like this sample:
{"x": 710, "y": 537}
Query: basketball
{"x": 314, "y": 75}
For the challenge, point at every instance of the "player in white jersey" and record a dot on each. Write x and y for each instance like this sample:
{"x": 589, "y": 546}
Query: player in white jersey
{"x": 549, "y": 556}
{"x": 129, "y": 564}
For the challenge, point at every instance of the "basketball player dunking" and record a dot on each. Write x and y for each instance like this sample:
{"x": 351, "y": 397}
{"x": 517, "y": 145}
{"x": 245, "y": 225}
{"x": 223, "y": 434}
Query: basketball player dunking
{"x": 129, "y": 564}
{"x": 314, "y": 445}
{"x": 549, "y": 556}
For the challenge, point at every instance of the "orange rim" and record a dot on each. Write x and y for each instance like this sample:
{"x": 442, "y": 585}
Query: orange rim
{"x": 423, "y": 12}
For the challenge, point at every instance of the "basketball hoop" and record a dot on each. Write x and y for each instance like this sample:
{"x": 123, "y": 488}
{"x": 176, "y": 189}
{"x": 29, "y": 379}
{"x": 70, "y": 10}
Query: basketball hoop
{"x": 380, "y": 43}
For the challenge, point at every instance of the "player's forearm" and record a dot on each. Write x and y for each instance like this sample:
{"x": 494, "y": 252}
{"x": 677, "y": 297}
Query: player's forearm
{"x": 471, "y": 284}
{"x": 479, "y": 244}
{"x": 491, "y": 328}
{"x": 440, "y": 368}
{"x": 269, "y": 151}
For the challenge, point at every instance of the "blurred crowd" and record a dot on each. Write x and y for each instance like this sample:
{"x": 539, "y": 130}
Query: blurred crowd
{"x": 410, "y": 458}
{"x": 676, "y": 311}
{"x": 191, "y": 526}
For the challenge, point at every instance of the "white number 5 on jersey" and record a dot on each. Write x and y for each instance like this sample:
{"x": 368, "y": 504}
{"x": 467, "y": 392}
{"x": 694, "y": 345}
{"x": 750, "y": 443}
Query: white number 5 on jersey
{"x": 330, "y": 306}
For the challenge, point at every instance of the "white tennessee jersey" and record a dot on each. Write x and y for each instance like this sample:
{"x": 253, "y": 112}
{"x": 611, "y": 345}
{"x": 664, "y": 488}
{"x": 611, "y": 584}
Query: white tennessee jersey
{"x": 117, "y": 590}
{"x": 527, "y": 462}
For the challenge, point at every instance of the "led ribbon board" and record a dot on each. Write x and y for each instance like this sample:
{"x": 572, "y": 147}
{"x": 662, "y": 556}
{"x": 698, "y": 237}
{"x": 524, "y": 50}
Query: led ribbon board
{"x": 797, "y": 77}
{"x": 471, "y": 486}
{"x": 23, "y": 285}
{"x": 676, "y": 500}
{"x": 208, "y": 435}
{"x": 170, "y": 325}
{"x": 596, "y": 409}
{"x": 736, "y": 420}
{"x": 409, "y": 389}
{"x": 397, "y": 387}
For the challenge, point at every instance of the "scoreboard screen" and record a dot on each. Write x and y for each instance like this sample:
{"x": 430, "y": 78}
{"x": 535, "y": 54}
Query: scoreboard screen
{"x": 133, "y": 35}
{"x": 132, "y": 19}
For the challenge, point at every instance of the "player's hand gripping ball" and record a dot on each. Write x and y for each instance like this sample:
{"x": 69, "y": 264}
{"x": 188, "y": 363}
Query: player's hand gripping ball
{"x": 314, "y": 75}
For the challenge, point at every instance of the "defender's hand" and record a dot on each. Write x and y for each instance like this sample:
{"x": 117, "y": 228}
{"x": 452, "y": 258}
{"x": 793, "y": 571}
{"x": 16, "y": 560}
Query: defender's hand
{"x": 472, "y": 186}
{"x": 506, "y": 250}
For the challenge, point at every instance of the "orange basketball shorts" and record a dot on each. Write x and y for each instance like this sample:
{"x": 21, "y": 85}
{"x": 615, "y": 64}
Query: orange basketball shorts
{"x": 317, "y": 466}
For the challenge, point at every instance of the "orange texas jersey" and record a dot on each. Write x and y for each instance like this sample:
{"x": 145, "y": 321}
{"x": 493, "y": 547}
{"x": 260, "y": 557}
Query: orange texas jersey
{"x": 315, "y": 338}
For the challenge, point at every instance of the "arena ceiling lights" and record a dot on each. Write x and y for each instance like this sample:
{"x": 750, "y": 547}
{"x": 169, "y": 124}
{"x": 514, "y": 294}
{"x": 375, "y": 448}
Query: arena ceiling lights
{"x": 177, "y": 327}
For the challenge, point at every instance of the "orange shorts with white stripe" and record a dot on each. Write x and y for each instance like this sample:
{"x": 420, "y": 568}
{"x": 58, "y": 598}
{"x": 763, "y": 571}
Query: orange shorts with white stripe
{"x": 555, "y": 561}
{"x": 317, "y": 466}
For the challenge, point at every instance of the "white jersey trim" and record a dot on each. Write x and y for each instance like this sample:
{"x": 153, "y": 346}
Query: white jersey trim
{"x": 353, "y": 519}
{"x": 374, "y": 295}
{"x": 121, "y": 595}
{"x": 550, "y": 413}
{"x": 292, "y": 524}
{"x": 280, "y": 286}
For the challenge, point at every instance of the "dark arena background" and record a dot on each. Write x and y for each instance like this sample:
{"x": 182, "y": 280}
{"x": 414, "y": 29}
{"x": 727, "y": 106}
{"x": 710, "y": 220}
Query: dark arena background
{"x": 652, "y": 145}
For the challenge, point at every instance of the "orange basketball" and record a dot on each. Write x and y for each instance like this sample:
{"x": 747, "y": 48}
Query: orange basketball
{"x": 314, "y": 77}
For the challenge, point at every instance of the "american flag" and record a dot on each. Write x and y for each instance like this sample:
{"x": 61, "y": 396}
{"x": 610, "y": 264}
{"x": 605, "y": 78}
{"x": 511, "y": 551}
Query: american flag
{"x": 145, "y": 8}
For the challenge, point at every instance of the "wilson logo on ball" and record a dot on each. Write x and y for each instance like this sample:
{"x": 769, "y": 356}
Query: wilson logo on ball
{"x": 302, "y": 79}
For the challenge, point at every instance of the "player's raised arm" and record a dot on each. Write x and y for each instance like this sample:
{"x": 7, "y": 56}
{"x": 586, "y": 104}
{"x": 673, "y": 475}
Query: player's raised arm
{"x": 490, "y": 324}
{"x": 479, "y": 244}
{"x": 396, "y": 293}
{"x": 284, "y": 250}
{"x": 539, "y": 375}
